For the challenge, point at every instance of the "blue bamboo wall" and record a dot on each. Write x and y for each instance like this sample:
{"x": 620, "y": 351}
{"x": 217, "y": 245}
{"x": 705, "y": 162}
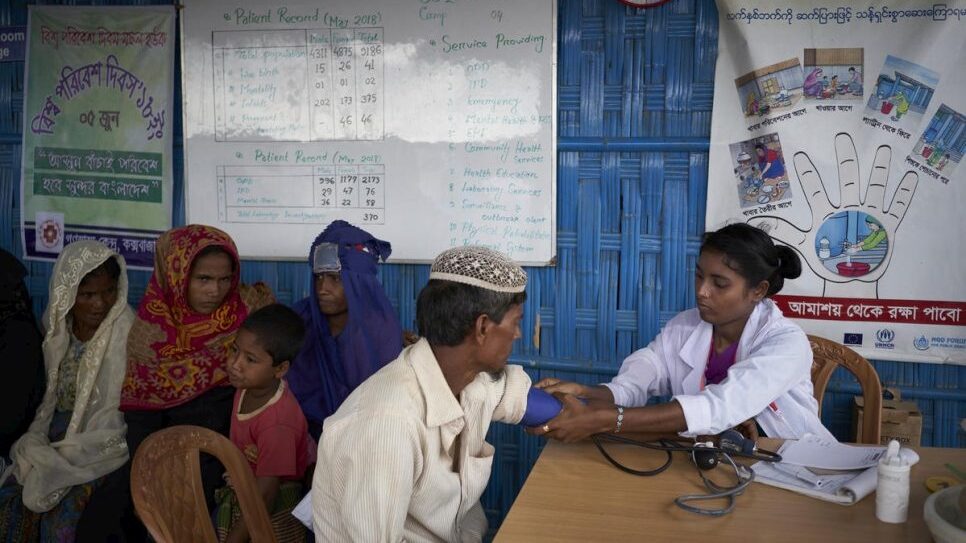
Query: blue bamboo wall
{"x": 634, "y": 109}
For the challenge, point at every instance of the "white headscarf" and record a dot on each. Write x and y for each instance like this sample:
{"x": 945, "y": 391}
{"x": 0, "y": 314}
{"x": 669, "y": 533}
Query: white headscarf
{"x": 94, "y": 444}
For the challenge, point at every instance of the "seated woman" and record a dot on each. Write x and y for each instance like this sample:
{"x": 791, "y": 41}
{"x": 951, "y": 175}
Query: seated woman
{"x": 176, "y": 360}
{"x": 23, "y": 360}
{"x": 77, "y": 436}
{"x": 731, "y": 359}
{"x": 351, "y": 327}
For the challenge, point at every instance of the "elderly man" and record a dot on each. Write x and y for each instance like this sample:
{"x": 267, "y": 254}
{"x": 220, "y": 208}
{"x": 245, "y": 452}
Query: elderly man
{"x": 404, "y": 457}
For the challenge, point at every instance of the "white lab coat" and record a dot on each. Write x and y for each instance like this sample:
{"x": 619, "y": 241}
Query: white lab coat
{"x": 770, "y": 379}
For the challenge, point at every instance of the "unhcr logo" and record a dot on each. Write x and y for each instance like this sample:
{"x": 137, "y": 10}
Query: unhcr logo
{"x": 884, "y": 338}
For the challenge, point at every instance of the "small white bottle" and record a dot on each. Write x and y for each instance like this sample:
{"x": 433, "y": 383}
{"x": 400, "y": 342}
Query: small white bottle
{"x": 824, "y": 248}
{"x": 892, "y": 490}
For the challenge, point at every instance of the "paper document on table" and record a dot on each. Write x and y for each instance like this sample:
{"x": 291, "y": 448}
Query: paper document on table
{"x": 303, "y": 511}
{"x": 816, "y": 452}
{"x": 846, "y": 487}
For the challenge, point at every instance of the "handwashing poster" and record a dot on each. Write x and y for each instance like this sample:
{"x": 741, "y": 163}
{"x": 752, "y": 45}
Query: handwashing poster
{"x": 839, "y": 129}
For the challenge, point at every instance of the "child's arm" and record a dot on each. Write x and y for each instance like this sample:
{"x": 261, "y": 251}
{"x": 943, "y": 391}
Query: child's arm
{"x": 268, "y": 488}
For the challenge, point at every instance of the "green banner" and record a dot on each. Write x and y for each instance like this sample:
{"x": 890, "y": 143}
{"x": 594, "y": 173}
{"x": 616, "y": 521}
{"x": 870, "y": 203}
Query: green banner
{"x": 97, "y": 158}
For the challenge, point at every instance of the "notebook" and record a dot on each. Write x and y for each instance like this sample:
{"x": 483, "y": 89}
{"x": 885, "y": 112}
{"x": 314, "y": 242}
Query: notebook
{"x": 823, "y": 469}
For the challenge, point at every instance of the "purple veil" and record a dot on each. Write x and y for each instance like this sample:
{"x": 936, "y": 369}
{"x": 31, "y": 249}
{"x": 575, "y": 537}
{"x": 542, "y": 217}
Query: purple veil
{"x": 328, "y": 369}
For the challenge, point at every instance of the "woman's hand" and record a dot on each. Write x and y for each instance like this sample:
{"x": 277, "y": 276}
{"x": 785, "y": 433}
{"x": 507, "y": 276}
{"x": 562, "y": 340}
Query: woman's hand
{"x": 577, "y": 420}
{"x": 598, "y": 393}
{"x": 554, "y": 385}
{"x": 749, "y": 429}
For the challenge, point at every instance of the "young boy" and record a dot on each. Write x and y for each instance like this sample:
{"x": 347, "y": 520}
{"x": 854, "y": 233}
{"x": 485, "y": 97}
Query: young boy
{"x": 267, "y": 423}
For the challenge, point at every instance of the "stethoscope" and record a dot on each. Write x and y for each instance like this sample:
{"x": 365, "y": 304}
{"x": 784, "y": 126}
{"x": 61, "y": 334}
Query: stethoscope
{"x": 705, "y": 456}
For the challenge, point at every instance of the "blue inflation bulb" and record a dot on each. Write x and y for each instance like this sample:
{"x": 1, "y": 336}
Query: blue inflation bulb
{"x": 541, "y": 407}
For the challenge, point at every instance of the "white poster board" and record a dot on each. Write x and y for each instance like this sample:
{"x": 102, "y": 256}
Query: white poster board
{"x": 429, "y": 124}
{"x": 839, "y": 129}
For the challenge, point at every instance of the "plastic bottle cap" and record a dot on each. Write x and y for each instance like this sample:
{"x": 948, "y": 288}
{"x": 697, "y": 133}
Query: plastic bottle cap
{"x": 892, "y": 456}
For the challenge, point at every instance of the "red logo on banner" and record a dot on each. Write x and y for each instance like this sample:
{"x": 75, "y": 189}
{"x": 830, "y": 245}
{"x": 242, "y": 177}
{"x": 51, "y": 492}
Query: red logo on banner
{"x": 49, "y": 233}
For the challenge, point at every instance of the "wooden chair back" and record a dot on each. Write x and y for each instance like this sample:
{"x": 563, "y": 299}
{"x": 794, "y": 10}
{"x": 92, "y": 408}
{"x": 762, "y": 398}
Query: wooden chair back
{"x": 826, "y": 356}
{"x": 167, "y": 490}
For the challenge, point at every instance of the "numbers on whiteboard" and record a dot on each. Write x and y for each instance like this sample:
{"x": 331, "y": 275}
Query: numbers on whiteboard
{"x": 370, "y": 19}
{"x": 340, "y": 104}
{"x": 349, "y": 190}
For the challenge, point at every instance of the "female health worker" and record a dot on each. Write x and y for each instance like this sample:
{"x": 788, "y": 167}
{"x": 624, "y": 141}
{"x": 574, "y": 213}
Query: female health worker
{"x": 731, "y": 359}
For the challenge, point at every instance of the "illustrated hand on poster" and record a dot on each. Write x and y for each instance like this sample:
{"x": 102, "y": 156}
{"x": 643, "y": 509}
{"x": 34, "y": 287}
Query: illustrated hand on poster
{"x": 848, "y": 245}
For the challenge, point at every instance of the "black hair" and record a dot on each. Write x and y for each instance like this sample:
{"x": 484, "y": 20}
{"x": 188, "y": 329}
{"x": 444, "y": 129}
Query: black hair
{"x": 760, "y": 146}
{"x": 109, "y": 267}
{"x": 446, "y": 311}
{"x": 214, "y": 250}
{"x": 14, "y": 297}
{"x": 752, "y": 254}
{"x": 278, "y": 330}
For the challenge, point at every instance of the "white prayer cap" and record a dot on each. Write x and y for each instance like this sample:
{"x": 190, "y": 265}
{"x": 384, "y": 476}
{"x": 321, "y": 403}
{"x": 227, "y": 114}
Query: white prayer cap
{"x": 481, "y": 267}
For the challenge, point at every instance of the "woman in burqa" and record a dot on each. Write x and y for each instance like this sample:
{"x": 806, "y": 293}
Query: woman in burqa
{"x": 351, "y": 327}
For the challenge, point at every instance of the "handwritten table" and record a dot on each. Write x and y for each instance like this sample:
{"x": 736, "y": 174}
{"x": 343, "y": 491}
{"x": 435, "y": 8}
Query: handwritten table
{"x": 332, "y": 80}
{"x": 301, "y": 194}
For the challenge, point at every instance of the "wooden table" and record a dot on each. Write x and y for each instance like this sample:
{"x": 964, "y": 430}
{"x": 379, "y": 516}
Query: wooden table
{"x": 574, "y": 494}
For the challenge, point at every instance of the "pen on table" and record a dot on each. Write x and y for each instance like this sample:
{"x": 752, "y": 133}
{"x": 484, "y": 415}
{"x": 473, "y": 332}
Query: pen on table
{"x": 800, "y": 472}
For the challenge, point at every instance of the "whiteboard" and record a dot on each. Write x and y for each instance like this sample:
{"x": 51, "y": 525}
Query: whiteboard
{"x": 429, "y": 123}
